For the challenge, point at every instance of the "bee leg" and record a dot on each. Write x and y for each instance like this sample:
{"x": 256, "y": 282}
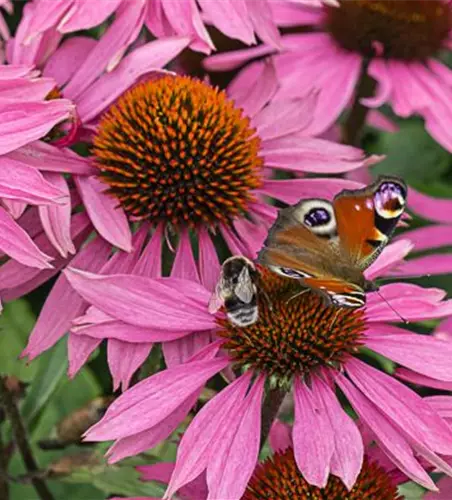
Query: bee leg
{"x": 297, "y": 295}
{"x": 267, "y": 299}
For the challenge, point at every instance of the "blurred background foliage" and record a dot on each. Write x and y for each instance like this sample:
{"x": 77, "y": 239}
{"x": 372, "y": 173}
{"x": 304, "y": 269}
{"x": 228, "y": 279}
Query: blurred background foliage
{"x": 50, "y": 396}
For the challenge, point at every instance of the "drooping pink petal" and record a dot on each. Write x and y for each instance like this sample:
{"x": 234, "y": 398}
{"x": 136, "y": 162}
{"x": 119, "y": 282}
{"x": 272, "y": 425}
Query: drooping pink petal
{"x": 280, "y": 437}
{"x": 442, "y": 404}
{"x": 63, "y": 303}
{"x": 164, "y": 304}
{"x": 233, "y": 59}
{"x": 149, "y": 57}
{"x": 46, "y": 15}
{"x": 49, "y": 158}
{"x": 109, "y": 219}
{"x": 445, "y": 489}
{"x": 428, "y": 237}
{"x": 231, "y": 18}
{"x": 145, "y": 440}
{"x": 403, "y": 406}
{"x": 150, "y": 261}
{"x": 209, "y": 265}
{"x": 15, "y": 208}
{"x": 434, "y": 209}
{"x": 17, "y": 279}
{"x": 312, "y": 436}
{"x": 390, "y": 439}
{"x": 120, "y": 33}
{"x": 84, "y": 15}
{"x": 391, "y": 256}
{"x": 65, "y": 61}
{"x": 178, "y": 349}
{"x": 232, "y": 464}
{"x": 425, "y": 266}
{"x": 16, "y": 243}
{"x": 411, "y": 350}
{"x": 348, "y": 454}
{"x": 293, "y": 190}
{"x": 26, "y": 122}
{"x": 152, "y": 400}
{"x": 19, "y": 181}
{"x": 195, "y": 451}
{"x": 261, "y": 16}
{"x": 124, "y": 359}
{"x": 56, "y": 219}
{"x": 80, "y": 348}
{"x": 184, "y": 265}
{"x": 418, "y": 379}
{"x": 24, "y": 89}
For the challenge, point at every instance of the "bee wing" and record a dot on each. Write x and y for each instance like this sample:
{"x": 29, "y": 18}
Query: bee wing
{"x": 216, "y": 300}
{"x": 245, "y": 288}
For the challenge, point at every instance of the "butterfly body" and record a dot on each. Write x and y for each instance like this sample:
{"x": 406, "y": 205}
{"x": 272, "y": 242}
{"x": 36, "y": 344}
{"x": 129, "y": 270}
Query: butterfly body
{"x": 328, "y": 246}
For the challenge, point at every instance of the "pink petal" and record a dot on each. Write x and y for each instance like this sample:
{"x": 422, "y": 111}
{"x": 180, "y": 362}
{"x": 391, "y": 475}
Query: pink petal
{"x": 150, "y": 262}
{"x": 109, "y": 219}
{"x": 109, "y": 87}
{"x": 63, "y": 303}
{"x": 85, "y": 15}
{"x": 231, "y": 18}
{"x": 65, "y": 61}
{"x": 209, "y": 265}
{"x": 391, "y": 256}
{"x": 442, "y": 404}
{"x": 232, "y": 464}
{"x": 293, "y": 190}
{"x": 426, "y": 238}
{"x": 166, "y": 304}
{"x": 153, "y": 399}
{"x": 261, "y": 93}
{"x": 26, "y": 122}
{"x": 80, "y": 348}
{"x": 435, "y": 209}
{"x": 124, "y": 359}
{"x": 280, "y": 437}
{"x": 184, "y": 265}
{"x": 56, "y": 220}
{"x": 18, "y": 181}
{"x": 416, "y": 378}
{"x": 49, "y": 158}
{"x": 348, "y": 453}
{"x": 119, "y": 34}
{"x": 445, "y": 489}
{"x": 261, "y": 16}
{"x": 390, "y": 439}
{"x": 425, "y": 266}
{"x": 312, "y": 436}
{"x": 17, "y": 279}
{"x": 283, "y": 118}
{"x": 233, "y": 59}
{"x": 145, "y": 440}
{"x": 178, "y": 350}
{"x": 411, "y": 350}
{"x": 15, "y": 208}
{"x": 195, "y": 450}
{"x": 16, "y": 243}
{"x": 403, "y": 406}
{"x": 45, "y": 15}
{"x": 24, "y": 89}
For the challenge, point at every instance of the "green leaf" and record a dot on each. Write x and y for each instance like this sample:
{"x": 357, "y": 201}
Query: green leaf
{"x": 412, "y": 154}
{"x": 117, "y": 480}
{"x": 52, "y": 366}
{"x": 411, "y": 491}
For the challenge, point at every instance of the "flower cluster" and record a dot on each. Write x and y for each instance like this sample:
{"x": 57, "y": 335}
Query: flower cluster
{"x": 144, "y": 142}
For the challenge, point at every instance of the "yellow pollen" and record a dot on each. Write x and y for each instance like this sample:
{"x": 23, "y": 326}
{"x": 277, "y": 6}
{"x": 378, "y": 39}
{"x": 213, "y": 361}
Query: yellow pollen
{"x": 295, "y": 334}
{"x": 410, "y": 30}
{"x": 177, "y": 150}
{"x": 279, "y": 478}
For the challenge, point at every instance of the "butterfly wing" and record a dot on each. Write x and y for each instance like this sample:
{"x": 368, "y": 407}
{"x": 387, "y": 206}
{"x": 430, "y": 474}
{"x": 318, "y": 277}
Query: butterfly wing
{"x": 366, "y": 218}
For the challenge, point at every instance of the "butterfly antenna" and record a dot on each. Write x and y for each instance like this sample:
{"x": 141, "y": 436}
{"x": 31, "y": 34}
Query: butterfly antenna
{"x": 392, "y": 308}
{"x": 392, "y": 278}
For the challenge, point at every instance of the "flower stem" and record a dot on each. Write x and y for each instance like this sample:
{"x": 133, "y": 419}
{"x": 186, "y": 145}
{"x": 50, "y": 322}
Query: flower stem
{"x": 20, "y": 436}
{"x": 4, "y": 489}
{"x": 272, "y": 403}
{"x": 356, "y": 119}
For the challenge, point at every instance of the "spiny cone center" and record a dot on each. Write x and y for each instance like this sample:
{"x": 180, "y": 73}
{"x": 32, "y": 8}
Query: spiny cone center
{"x": 177, "y": 150}
{"x": 295, "y": 332}
{"x": 279, "y": 477}
{"x": 404, "y": 29}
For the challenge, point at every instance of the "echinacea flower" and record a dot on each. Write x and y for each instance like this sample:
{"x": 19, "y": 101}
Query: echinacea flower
{"x": 397, "y": 43}
{"x": 240, "y": 20}
{"x": 176, "y": 155}
{"x": 279, "y": 477}
{"x": 297, "y": 344}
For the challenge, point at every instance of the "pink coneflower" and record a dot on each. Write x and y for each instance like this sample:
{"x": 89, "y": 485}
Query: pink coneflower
{"x": 27, "y": 114}
{"x": 240, "y": 20}
{"x": 279, "y": 477}
{"x": 175, "y": 155}
{"x": 297, "y": 344}
{"x": 395, "y": 42}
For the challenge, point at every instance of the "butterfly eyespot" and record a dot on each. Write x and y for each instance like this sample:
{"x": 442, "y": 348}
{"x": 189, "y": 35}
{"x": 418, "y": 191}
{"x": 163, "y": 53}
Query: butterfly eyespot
{"x": 289, "y": 273}
{"x": 318, "y": 216}
{"x": 390, "y": 200}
